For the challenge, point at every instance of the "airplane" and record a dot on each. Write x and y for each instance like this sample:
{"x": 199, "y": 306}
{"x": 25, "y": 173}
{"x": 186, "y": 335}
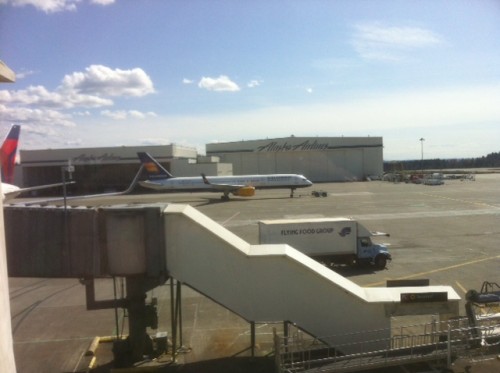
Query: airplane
{"x": 8, "y": 152}
{"x": 240, "y": 185}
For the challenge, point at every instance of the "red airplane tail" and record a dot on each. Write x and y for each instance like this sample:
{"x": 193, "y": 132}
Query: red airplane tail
{"x": 8, "y": 153}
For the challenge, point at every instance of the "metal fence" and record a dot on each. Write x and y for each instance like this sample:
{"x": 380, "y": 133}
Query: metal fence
{"x": 434, "y": 341}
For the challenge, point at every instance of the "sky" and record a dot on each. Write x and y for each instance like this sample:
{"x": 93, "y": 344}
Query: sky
{"x": 99, "y": 73}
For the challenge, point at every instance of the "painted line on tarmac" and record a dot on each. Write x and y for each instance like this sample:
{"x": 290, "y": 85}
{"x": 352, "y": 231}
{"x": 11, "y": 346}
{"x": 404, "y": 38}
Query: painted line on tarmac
{"x": 463, "y": 201}
{"x": 230, "y": 222}
{"x": 229, "y": 219}
{"x": 435, "y": 270}
{"x": 464, "y": 290}
{"x": 427, "y": 214}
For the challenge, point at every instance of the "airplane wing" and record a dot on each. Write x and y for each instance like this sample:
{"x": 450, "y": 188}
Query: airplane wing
{"x": 59, "y": 199}
{"x": 222, "y": 187}
{"x": 237, "y": 190}
{"x": 11, "y": 191}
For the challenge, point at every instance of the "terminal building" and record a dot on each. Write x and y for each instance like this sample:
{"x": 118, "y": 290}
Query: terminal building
{"x": 320, "y": 159}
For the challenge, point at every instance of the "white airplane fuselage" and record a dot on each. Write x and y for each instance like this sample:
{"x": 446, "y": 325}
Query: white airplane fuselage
{"x": 196, "y": 183}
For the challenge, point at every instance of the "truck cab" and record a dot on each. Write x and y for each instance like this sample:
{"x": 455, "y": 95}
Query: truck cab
{"x": 372, "y": 253}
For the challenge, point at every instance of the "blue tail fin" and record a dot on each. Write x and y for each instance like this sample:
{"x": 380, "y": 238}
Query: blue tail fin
{"x": 8, "y": 153}
{"x": 153, "y": 168}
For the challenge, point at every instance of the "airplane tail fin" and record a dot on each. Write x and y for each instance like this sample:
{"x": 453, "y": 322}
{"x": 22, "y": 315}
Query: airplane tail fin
{"x": 205, "y": 180}
{"x": 153, "y": 168}
{"x": 8, "y": 153}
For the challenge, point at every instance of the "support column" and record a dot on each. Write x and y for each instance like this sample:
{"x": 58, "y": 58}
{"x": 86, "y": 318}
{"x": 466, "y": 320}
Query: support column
{"x": 139, "y": 341}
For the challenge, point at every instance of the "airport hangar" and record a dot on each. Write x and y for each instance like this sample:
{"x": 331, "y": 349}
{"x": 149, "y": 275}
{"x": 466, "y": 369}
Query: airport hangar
{"x": 320, "y": 159}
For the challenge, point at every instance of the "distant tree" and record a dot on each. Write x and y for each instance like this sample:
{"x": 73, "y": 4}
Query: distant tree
{"x": 490, "y": 160}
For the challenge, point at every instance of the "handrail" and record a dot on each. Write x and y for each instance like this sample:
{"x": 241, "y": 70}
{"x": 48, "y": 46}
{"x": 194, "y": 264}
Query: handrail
{"x": 297, "y": 352}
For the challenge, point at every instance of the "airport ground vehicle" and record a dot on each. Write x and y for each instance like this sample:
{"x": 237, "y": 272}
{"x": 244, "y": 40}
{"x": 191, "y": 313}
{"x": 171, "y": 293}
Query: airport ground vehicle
{"x": 329, "y": 240}
{"x": 483, "y": 313}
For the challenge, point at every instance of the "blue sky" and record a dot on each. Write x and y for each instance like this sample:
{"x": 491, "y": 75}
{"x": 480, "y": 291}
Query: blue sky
{"x": 149, "y": 72}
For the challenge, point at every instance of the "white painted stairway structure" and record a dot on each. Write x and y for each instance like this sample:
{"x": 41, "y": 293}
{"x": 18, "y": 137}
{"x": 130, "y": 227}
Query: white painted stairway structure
{"x": 265, "y": 283}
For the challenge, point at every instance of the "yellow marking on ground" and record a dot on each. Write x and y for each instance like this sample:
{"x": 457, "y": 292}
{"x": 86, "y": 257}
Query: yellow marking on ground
{"x": 461, "y": 287}
{"x": 436, "y": 270}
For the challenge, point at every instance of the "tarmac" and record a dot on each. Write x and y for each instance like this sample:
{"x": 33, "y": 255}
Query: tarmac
{"x": 448, "y": 234}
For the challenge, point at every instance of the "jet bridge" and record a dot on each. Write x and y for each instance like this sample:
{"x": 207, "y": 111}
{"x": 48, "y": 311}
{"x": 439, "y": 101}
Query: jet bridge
{"x": 261, "y": 283}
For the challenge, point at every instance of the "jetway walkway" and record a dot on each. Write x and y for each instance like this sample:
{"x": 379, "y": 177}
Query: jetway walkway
{"x": 279, "y": 283}
{"x": 261, "y": 283}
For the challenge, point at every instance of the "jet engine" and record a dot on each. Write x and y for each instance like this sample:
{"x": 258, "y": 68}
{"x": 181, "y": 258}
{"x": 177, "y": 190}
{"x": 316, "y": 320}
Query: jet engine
{"x": 247, "y": 191}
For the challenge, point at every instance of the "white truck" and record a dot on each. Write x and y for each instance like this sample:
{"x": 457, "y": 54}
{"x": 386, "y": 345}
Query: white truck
{"x": 329, "y": 240}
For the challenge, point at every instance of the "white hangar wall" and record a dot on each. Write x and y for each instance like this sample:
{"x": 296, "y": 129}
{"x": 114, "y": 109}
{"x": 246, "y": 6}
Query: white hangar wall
{"x": 320, "y": 159}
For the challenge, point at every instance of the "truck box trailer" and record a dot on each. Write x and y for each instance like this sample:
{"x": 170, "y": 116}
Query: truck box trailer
{"x": 330, "y": 240}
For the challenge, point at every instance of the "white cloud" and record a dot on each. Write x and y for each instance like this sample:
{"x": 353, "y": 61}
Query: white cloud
{"x": 22, "y": 115}
{"x": 53, "y": 6}
{"x": 82, "y": 113}
{"x": 102, "y": 80}
{"x": 84, "y": 89}
{"x": 187, "y": 81}
{"x": 43, "y": 109}
{"x": 116, "y": 115}
{"x": 43, "y": 98}
{"x": 220, "y": 84}
{"x": 136, "y": 114}
{"x": 102, "y": 2}
{"x": 23, "y": 74}
{"x": 126, "y": 114}
{"x": 254, "y": 83}
{"x": 379, "y": 42}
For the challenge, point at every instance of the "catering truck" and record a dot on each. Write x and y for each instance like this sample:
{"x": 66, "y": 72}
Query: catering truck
{"x": 328, "y": 240}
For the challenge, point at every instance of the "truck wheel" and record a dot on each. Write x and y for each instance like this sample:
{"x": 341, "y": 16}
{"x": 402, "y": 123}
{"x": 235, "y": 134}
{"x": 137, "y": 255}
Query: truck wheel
{"x": 380, "y": 261}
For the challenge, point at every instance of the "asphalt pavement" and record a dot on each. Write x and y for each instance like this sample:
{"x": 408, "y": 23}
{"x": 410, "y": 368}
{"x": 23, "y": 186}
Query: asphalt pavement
{"x": 447, "y": 234}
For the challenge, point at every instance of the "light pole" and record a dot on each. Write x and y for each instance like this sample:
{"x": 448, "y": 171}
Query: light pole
{"x": 69, "y": 169}
{"x": 422, "y": 150}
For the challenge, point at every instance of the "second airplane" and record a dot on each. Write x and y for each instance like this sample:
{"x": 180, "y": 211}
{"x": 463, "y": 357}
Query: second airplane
{"x": 241, "y": 185}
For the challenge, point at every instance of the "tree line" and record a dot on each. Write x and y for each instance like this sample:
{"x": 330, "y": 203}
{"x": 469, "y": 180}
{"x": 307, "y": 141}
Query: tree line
{"x": 491, "y": 160}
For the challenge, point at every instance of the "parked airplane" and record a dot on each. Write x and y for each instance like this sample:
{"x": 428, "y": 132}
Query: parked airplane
{"x": 8, "y": 152}
{"x": 241, "y": 185}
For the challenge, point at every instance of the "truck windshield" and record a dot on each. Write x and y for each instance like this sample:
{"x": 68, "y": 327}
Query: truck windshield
{"x": 365, "y": 241}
